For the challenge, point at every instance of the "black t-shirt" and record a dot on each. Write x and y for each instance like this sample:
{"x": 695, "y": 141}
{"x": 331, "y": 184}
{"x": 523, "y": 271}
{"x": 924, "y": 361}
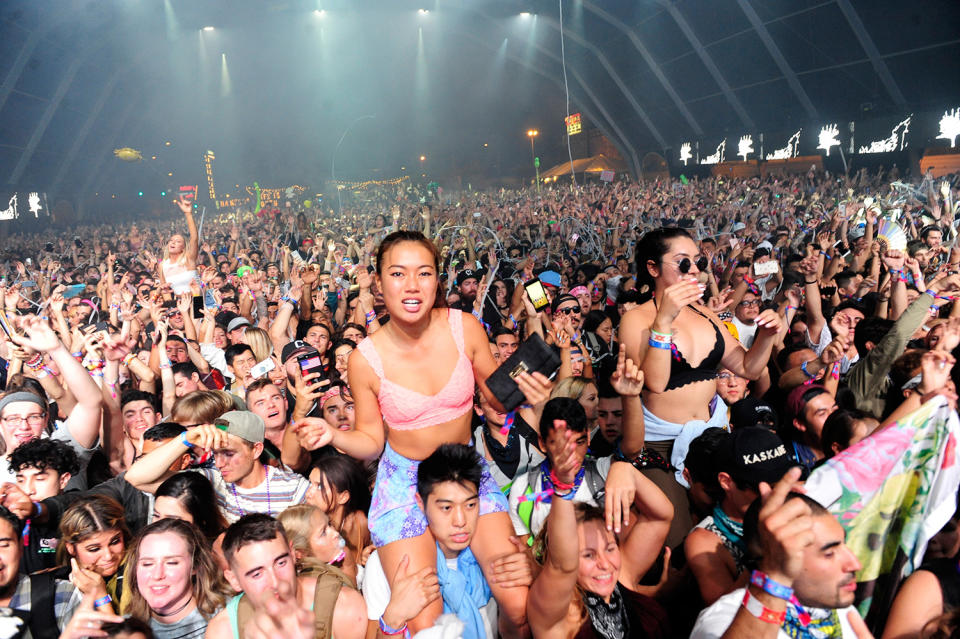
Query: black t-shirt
{"x": 40, "y": 552}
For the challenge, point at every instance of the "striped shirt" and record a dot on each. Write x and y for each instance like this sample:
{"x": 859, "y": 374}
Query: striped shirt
{"x": 277, "y": 492}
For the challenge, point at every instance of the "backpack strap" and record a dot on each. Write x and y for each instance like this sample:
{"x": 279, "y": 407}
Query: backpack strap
{"x": 328, "y": 587}
{"x": 594, "y": 479}
{"x": 43, "y": 591}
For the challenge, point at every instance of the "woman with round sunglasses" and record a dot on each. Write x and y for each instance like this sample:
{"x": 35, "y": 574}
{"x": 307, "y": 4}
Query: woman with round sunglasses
{"x": 680, "y": 345}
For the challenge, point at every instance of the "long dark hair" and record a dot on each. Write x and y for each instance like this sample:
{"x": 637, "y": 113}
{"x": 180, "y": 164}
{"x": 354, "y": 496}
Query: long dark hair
{"x": 413, "y": 236}
{"x": 195, "y": 492}
{"x": 343, "y": 473}
{"x": 652, "y": 247}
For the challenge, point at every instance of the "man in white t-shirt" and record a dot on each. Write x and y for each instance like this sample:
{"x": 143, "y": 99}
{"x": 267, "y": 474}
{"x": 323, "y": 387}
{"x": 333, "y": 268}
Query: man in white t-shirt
{"x": 744, "y": 318}
{"x": 803, "y": 555}
{"x": 448, "y": 493}
{"x": 242, "y": 482}
{"x": 529, "y": 506}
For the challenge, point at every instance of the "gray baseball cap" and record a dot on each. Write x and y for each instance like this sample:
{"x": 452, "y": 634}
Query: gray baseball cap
{"x": 242, "y": 423}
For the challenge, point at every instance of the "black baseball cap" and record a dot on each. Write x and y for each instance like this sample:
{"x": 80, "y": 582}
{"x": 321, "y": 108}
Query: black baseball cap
{"x": 754, "y": 454}
{"x": 752, "y": 411}
{"x": 297, "y": 347}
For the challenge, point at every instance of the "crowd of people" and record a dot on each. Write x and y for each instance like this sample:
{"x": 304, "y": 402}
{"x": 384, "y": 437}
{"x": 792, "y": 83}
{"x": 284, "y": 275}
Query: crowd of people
{"x": 289, "y": 425}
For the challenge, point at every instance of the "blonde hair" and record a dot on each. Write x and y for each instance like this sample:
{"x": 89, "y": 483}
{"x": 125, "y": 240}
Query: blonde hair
{"x": 91, "y": 515}
{"x": 571, "y": 387}
{"x": 259, "y": 342}
{"x": 201, "y": 407}
{"x": 297, "y": 522}
{"x": 207, "y": 583}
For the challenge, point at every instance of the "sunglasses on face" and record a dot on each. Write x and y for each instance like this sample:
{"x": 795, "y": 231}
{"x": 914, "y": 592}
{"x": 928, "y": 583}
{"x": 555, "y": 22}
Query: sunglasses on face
{"x": 569, "y": 310}
{"x": 746, "y": 303}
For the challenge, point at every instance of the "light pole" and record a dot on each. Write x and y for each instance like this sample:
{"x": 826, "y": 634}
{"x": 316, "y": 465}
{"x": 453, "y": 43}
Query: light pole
{"x": 532, "y": 133}
{"x": 333, "y": 162}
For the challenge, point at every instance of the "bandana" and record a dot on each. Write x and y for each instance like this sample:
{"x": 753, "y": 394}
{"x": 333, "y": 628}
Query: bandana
{"x": 820, "y": 623}
{"x": 609, "y": 620}
{"x": 577, "y": 291}
{"x": 330, "y": 394}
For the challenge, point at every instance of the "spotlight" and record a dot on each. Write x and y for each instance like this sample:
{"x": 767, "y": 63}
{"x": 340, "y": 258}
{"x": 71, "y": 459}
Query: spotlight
{"x": 423, "y": 158}
{"x": 167, "y": 143}
{"x": 485, "y": 145}
{"x": 208, "y": 28}
{"x": 525, "y": 14}
{"x": 319, "y": 12}
{"x": 423, "y": 12}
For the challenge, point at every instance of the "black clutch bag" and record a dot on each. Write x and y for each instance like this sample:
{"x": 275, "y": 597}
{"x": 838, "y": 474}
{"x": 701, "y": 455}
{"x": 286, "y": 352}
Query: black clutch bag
{"x": 533, "y": 355}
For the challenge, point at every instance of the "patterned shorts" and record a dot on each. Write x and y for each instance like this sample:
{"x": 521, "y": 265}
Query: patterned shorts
{"x": 394, "y": 514}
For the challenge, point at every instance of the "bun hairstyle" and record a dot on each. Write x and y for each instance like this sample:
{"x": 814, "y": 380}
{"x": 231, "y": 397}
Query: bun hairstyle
{"x": 652, "y": 247}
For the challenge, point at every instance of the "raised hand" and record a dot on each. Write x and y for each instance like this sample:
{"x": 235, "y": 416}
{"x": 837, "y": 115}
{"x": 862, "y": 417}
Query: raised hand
{"x": 627, "y": 379}
{"x": 38, "y": 334}
{"x": 563, "y": 453}
{"x": 675, "y": 297}
{"x": 769, "y": 322}
{"x": 282, "y": 616}
{"x": 621, "y": 489}
{"x": 785, "y": 529}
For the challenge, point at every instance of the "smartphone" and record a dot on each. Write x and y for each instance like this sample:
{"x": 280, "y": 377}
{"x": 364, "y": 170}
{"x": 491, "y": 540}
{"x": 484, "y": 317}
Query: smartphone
{"x": 198, "y": 307}
{"x": 537, "y": 294}
{"x": 309, "y": 364}
{"x": 188, "y": 193}
{"x": 77, "y": 242}
{"x": 73, "y": 290}
{"x": 766, "y": 268}
{"x": 262, "y": 368}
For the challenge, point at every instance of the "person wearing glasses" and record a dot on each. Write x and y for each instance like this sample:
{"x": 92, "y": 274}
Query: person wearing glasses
{"x": 680, "y": 345}
{"x": 23, "y": 414}
{"x": 745, "y": 318}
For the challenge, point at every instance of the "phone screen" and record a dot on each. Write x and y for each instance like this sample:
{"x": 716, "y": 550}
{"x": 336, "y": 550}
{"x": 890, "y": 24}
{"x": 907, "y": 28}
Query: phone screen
{"x": 537, "y": 294}
{"x": 310, "y": 364}
{"x": 197, "y": 306}
{"x": 73, "y": 290}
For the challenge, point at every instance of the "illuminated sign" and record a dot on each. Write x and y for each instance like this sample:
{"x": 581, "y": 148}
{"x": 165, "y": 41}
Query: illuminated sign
{"x": 829, "y": 136}
{"x": 36, "y": 203}
{"x": 950, "y": 126}
{"x": 717, "y": 157}
{"x": 896, "y": 141}
{"x": 208, "y": 158}
{"x": 792, "y": 149}
{"x": 685, "y": 153}
{"x": 574, "y": 123}
{"x": 745, "y": 146}
{"x": 272, "y": 197}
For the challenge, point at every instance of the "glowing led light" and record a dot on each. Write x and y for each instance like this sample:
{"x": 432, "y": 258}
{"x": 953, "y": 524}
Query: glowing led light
{"x": 745, "y": 146}
{"x": 790, "y": 151}
{"x": 422, "y": 158}
{"x": 208, "y": 28}
{"x": 896, "y": 141}
{"x": 717, "y": 157}
{"x": 10, "y": 212}
{"x": 167, "y": 143}
{"x": 423, "y": 12}
{"x": 685, "y": 153}
{"x": 170, "y": 174}
{"x": 950, "y": 126}
{"x": 319, "y": 12}
{"x": 829, "y": 137}
{"x": 485, "y": 145}
{"x": 525, "y": 14}
{"x": 153, "y": 157}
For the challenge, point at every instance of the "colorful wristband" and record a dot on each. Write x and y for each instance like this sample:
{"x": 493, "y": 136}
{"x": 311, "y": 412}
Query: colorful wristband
{"x": 769, "y": 586}
{"x": 387, "y": 630}
{"x": 809, "y": 375}
{"x": 184, "y": 440}
{"x": 663, "y": 345}
{"x": 103, "y": 601}
{"x": 756, "y": 608}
